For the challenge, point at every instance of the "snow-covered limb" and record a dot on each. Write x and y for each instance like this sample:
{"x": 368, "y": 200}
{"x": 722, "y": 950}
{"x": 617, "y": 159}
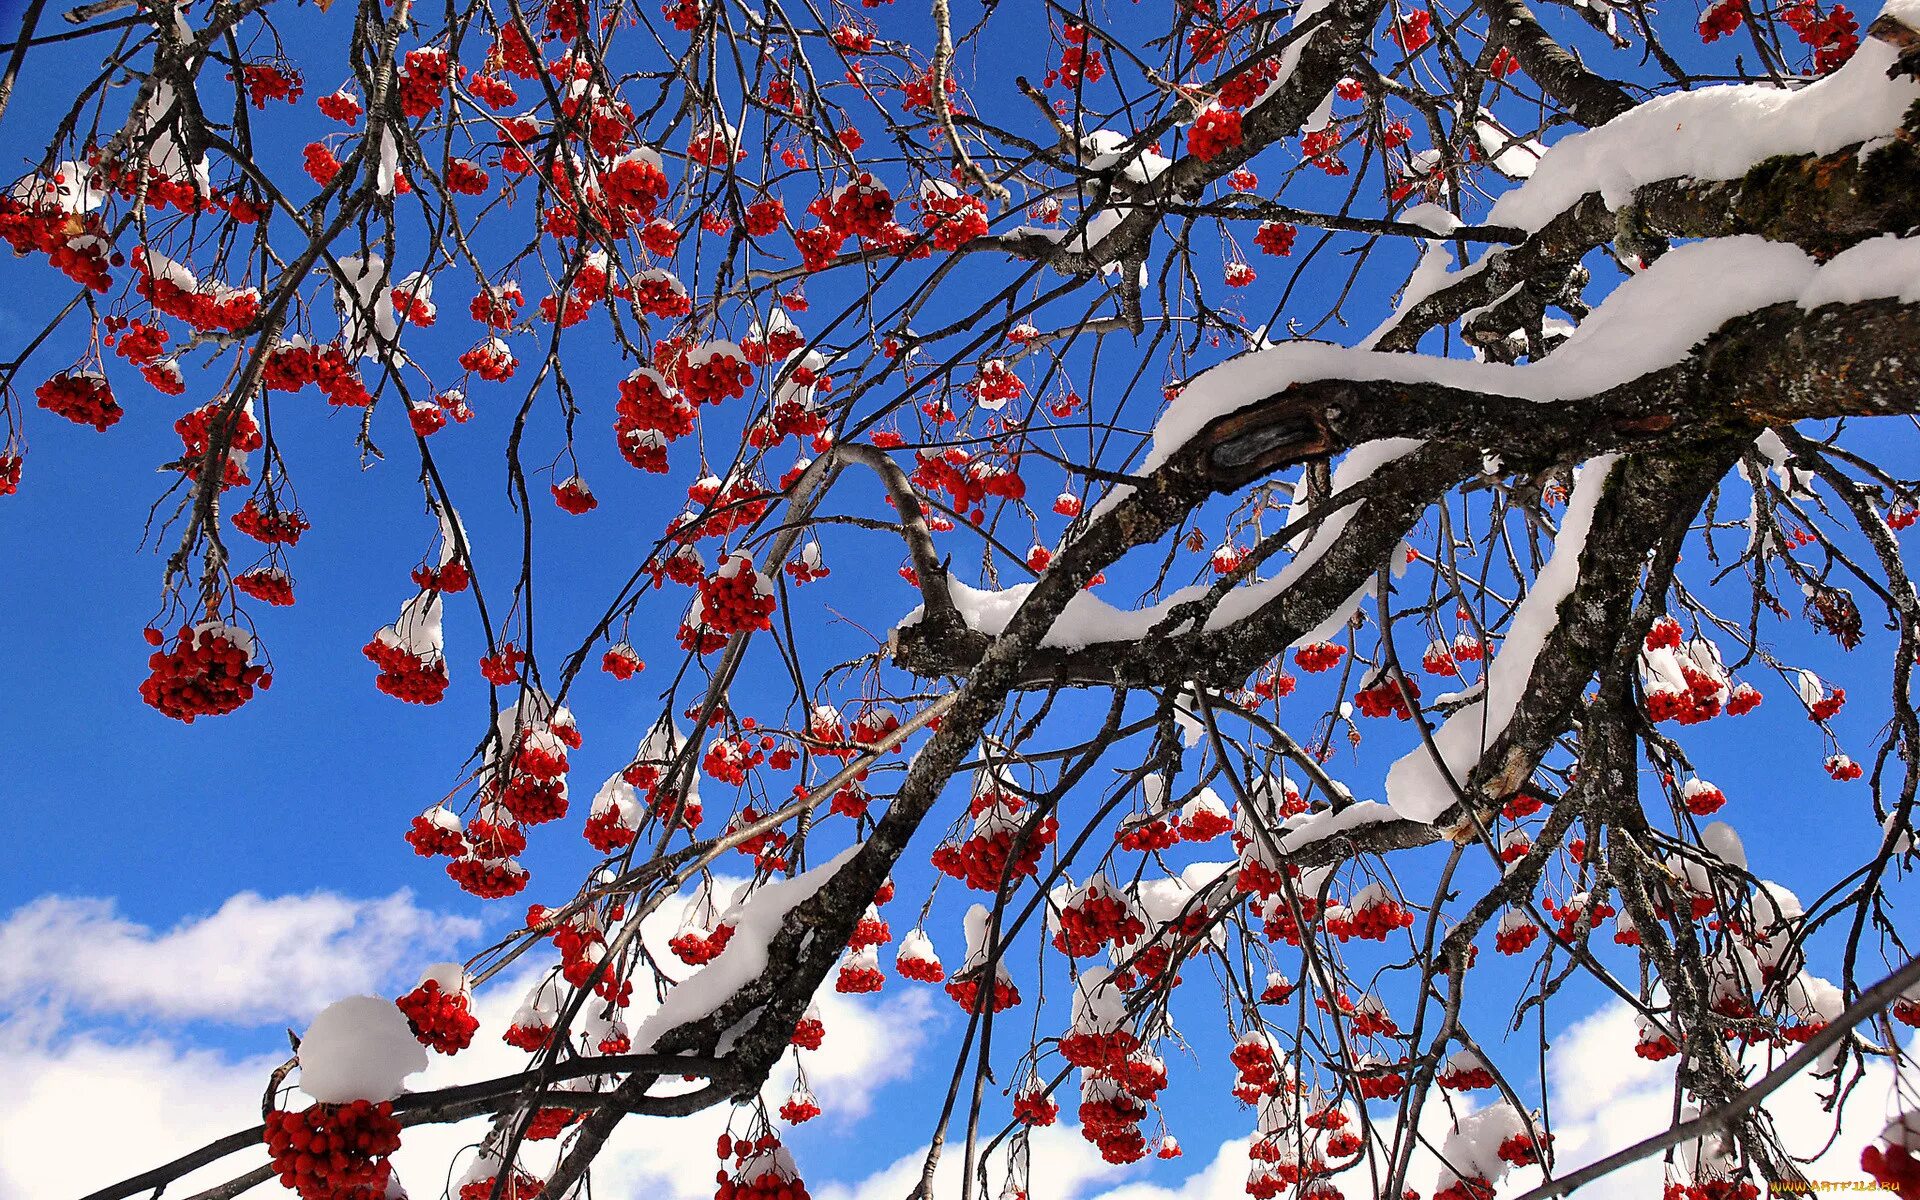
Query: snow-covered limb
{"x": 1825, "y": 167}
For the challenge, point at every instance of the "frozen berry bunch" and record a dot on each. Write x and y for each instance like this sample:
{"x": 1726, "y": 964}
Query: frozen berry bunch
{"x": 207, "y": 671}
{"x": 81, "y": 397}
{"x": 439, "y": 1017}
{"x": 332, "y": 1150}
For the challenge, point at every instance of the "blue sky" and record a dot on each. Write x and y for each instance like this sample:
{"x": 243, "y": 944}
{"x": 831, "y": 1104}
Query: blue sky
{"x": 126, "y": 825}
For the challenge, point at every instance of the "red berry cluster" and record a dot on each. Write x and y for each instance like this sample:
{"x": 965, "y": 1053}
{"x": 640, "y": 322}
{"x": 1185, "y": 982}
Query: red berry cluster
{"x": 1078, "y": 64}
{"x": 1516, "y": 932}
{"x": 918, "y": 968}
{"x": 1319, "y": 146}
{"x": 496, "y": 839}
{"x": 762, "y": 1171}
{"x": 1279, "y": 988}
{"x": 1032, "y": 1107}
{"x": 448, "y": 577}
{"x": 995, "y": 385}
{"x": 953, "y": 220}
{"x": 81, "y": 397}
{"x": 736, "y": 598}
{"x": 407, "y": 676}
{"x": 857, "y": 976}
{"x": 809, "y": 1032}
{"x": 1199, "y": 824}
{"x": 621, "y": 661}
{"x": 270, "y": 585}
{"x": 212, "y": 422}
{"x": 697, "y": 948}
{"x": 502, "y": 667}
{"x": 1523, "y": 1149}
{"x": 1213, "y": 133}
{"x": 1438, "y": 659}
{"x": 1464, "y": 1075}
{"x": 1376, "y": 1080}
{"x": 767, "y": 848}
{"x": 660, "y": 294}
{"x": 1828, "y": 706}
{"x": 329, "y": 1151}
{"x": 1722, "y": 18}
{"x": 967, "y": 993}
{"x": 1098, "y": 1051}
{"x": 274, "y": 527}
{"x": 426, "y": 417}
{"x": 492, "y": 360}
{"x": 74, "y": 243}
{"x": 261, "y": 82}
{"x": 136, "y": 341}
{"x": 861, "y": 209}
{"x": 982, "y": 860}
{"x": 729, "y": 758}
{"x": 1372, "y": 917}
{"x": 1653, "y": 1045}
{"x": 1843, "y": 769}
{"x": 519, "y": 1185}
{"x": 498, "y": 306}
{"x": 207, "y": 672}
{"x": 1571, "y": 913}
{"x": 1253, "y": 1059}
{"x": 870, "y": 930}
{"x": 440, "y": 1019}
{"x": 548, "y": 1123}
{"x": 1112, "y": 1122}
{"x": 423, "y": 80}
{"x": 1412, "y": 31}
{"x": 205, "y": 306}
{"x": 343, "y": 106}
{"x": 1146, "y": 835}
{"x": 763, "y": 217}
{"x": 294, "y": 364}
{"x": 489, "y": 879}
{"x": 648, "y": 403}
{"x": 714, "y": 374}
{"x": 1389, "y": 693}
{"x": 1702, "y": 798}
{"x": 436, "y": 833}
{"x": 320, "y": 163}
{"x": 1318, "y": 656}
{"x": 1094, "y": 919}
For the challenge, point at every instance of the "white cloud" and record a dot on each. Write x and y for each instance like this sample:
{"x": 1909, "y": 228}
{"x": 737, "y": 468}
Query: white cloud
{"x": 1061, "y": 1166}
{"x": 869, "y": 1045}
{"x": 80, "y": 1115}
{"x": 1223, "y": 1178}
{"x": 252, "y": 960}
{"x": 63, "y": 961}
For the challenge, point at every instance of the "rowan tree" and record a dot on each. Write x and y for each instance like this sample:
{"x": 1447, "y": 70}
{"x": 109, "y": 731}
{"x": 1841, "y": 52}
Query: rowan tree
{"x": 1303, "y": 478}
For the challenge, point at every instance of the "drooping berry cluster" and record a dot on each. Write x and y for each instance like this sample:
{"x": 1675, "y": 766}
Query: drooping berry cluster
{"x": 441, "y": 1019}
{"x": 329, "y": 1151}
{"x": 207, "y": 671}
{"x": 82, "y": 397}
